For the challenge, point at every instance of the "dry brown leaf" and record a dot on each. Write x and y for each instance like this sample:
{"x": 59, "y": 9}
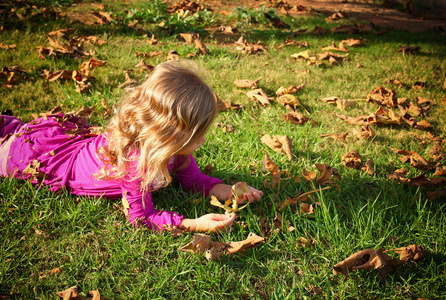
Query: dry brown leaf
{"x": 343, "y": 104}
{"x": 304, "y": 54}
{"x": 310, "y": 176}
{"x": 340, "y": 137}
{"x": 251, "y": 241}
{"x": 366, "y": 133}
{"x": 175, "y": 230}
{"x": 328, "y": 55}
{"x": 107, "y": 107}
{"x": 292, "y": 100}
{"x": 216, "y": 251}
{"x": 143, "y": 66}
{"x": 240, "y": 189}
{"x": 33, "y": 170}
{"x": 440, "y": 171}
{"x": 399, "y": 175}
{"x": 351, "y": 42}
{"x": 71, "y": 293}
{"x": 416, "y": 160}
{"x": 384, "y": 116}
{"x": 295, "y": 118}
{"x": 279, "y": 143}
{"x": 271, "y": 167}
{"x": 411, "y": 252}
{"x": 259, "y": 95}
{"x": 246, "y": 83}
{"x": 292, "y": 89}
{"x": 369, "y": 167}
{"x": 199, "y": 244}
{"x": 87, "y": 67}
{"x": 326, "y": 173}
{"x": 280, "y": 223}
{"x": 307, "y": 210}
{"x": 362, "y": 260}
{"x": 359, "y": 120}
{"x": 352, "y": 159}
{"x": 292, "y": 43}
{"x": 62, "y": 74}
{"x": 432, "y": 182}
{"x": 172, "y": 55}
{"x": 382, "y": 96}
{"x": 128, "y": 81}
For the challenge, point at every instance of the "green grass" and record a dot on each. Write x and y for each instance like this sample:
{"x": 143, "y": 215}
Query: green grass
{"x": 91, "y": 242}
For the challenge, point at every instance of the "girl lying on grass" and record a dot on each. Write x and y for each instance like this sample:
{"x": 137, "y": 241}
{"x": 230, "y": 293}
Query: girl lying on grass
{"x": 154, "y": 133}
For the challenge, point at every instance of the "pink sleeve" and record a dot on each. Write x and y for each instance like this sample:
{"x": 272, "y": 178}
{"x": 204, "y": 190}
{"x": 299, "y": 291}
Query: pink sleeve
{"x": 146, "y": 214}
{"x": 192, "y": 179}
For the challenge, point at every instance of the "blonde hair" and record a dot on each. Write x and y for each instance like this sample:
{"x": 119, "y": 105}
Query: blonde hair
{"x": 173, "y": 108}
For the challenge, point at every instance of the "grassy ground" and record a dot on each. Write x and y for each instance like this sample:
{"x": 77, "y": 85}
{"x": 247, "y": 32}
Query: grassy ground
{"x": 94, "y": 247}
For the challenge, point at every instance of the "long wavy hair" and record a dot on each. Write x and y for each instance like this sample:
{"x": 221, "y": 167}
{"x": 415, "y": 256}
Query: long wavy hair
{"x": 173, "y": 108}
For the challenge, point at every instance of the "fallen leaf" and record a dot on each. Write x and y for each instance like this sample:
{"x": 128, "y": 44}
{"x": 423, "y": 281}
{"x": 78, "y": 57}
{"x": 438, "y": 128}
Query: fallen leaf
{"x": 128, "y": 81}
{"x": 279, "y": 143}
{"x": 307, "y": 210}
{"x": 411, "y": 252}
{"x": 251, "y": 241}
{"x": 199, "y": 244}
{"x": 304, "y": 54}
{"x": 408, "y": 49}
{"x": 359, "y": 120}
{"x": 259, "y": 95}
{"x": 352, "y": 159}
{"x": 382, "y": 96}
{"x": 343, "y": 104}
{"x": 292, "y": 89}
{"x": 367, "y": 259}
{"x": 422, "y": 180}
{"x": 399, "y": 175}
{"x": 271, "y": 167}
{"x": 366, "y": 133}
{"x": 143, "y": 66}
{"x": 440, "y": 171}
{"x": 239, "y": 190}
{"x": 369, "y": 167}
{"x": 340, "y": 137}
{"x": 295, "y": 118}
{"x": 246, "y": 83}
{"x": 289, "y": 99}
{"x": 416, "y": 160}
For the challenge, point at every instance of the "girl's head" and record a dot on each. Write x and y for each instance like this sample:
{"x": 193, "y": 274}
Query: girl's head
{"x": 168, "y": 114}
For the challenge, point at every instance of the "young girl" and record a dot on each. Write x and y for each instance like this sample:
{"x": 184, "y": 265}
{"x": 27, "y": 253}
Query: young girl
{"x": 154, "y": 133}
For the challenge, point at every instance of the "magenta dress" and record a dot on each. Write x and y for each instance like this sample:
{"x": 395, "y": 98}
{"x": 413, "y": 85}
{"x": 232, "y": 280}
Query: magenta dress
{"x": 60, "y": 151}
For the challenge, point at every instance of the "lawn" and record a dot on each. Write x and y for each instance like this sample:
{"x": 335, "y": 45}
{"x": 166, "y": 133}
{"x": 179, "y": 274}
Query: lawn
{"x": 367, "y": 142}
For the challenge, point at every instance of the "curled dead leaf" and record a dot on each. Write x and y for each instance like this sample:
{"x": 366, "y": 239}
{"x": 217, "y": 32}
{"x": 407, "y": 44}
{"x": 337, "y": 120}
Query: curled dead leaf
{"x": 246, "y": 83}
{"x": 340, "y": 137}
{"x": 259, "y": 95}
{"x": 279, "y": 143}
{"x": 369, "y": 167}
{"x": 295, "y": 118}
{"x": 362, "y": 260}
{"x": 271, "y": 167}
{"x": 411, "y": 252}
{"x": 416, "y": 160}
{"x": 352, "y": 159}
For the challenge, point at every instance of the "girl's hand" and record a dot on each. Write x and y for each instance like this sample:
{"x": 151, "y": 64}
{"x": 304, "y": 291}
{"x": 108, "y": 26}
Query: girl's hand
{"x": 209, "y": 223}
{"x": 224, "y": 192}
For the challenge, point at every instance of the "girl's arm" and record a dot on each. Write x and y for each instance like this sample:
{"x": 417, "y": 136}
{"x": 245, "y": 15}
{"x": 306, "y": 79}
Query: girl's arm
{"x": 191, "y": 178}
{"x": 209, "y": 223}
